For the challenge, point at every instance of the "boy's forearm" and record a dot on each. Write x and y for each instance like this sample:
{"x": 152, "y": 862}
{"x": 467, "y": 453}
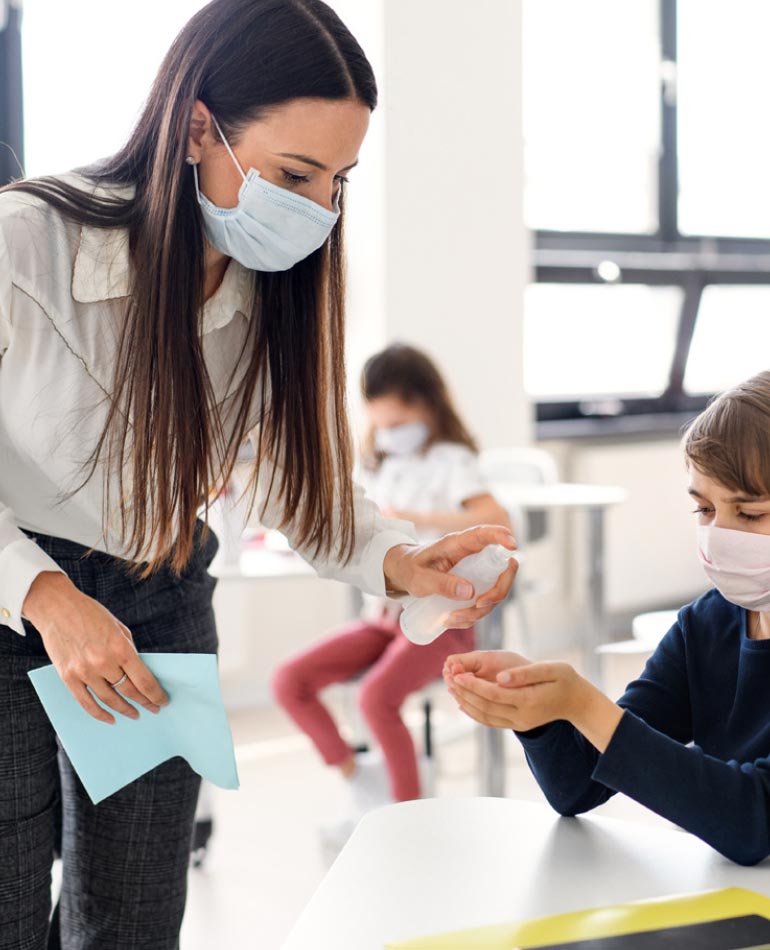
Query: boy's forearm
{"x": 594, "y": 715}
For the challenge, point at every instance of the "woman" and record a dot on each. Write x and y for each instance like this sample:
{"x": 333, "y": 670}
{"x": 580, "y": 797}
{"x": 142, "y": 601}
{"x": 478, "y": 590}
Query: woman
{"x": 421, "y": 465}
{"x": 690, "y": 738}
{"x": 155, "y": 311}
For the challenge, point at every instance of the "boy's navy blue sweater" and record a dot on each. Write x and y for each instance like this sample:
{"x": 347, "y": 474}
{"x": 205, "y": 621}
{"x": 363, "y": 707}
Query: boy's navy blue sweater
{"x": 707, "y": 684}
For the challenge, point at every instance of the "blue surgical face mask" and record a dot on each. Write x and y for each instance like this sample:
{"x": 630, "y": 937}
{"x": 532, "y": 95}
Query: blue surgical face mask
{"x": 405, "y": 439}
{"x": 270, "y": 229}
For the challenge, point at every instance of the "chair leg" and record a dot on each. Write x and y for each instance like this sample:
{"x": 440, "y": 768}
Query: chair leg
{"x": 427, "y": 708}
{"x": 522, "y": 621}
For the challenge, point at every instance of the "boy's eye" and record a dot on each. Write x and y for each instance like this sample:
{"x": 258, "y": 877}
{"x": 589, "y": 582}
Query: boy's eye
{"x": 702, "y": 511}
{"x": 747, "y": 517}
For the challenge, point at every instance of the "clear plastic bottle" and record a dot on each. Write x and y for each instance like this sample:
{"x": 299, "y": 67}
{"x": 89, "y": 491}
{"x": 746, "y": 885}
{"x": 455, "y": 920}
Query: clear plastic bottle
{"x": 425, "y": 618}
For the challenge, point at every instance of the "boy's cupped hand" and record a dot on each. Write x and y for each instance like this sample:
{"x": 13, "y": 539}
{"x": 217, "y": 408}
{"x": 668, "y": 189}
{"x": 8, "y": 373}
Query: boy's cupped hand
{"x": 507, "y": 691}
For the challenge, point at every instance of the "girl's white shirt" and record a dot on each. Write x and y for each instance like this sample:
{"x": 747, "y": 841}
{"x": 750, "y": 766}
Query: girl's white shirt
{"x": 441, "y": 478}
{"x": 63, "y": 296}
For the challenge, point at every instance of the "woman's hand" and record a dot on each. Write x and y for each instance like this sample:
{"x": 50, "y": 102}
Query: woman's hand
{"x": 421, "y": 570}
{"x": 90, "y": 648}
{"x": 507, "y": 691}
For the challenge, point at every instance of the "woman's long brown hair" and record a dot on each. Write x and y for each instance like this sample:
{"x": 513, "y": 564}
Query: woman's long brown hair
{"x": 408, "y": 373}
{"x": 164, "y": 427}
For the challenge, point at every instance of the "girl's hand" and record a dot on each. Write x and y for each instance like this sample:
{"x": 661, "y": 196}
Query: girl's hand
{"x": 421, "y": 570}
{"x": 90, "y": 649}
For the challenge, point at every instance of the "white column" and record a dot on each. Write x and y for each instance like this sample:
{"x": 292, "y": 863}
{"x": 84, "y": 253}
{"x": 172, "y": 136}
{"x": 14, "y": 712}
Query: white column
{"x": 456, "y": 245}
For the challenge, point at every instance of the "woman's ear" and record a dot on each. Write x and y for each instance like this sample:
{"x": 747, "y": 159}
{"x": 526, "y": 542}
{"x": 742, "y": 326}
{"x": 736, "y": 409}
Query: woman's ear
{"x": 200, "y": 131}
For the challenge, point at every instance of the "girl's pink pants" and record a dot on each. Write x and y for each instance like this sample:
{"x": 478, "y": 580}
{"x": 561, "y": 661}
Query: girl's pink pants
{"x": 394, "y": 667}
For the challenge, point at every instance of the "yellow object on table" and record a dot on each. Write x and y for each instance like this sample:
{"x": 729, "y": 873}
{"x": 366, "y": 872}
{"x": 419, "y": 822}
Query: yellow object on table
{"x": 729, "y": 919}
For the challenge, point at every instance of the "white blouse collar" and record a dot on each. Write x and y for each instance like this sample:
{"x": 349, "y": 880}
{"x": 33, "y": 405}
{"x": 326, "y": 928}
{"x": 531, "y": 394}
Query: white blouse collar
{"x": 101, "y": 272}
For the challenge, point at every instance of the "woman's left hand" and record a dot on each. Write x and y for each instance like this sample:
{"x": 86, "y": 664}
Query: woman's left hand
{"x": 423, "y": 569}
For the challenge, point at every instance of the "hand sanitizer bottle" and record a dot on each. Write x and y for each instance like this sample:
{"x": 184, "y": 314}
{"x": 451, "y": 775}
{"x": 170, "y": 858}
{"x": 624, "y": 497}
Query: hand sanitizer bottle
{"x": 425, "y": 618}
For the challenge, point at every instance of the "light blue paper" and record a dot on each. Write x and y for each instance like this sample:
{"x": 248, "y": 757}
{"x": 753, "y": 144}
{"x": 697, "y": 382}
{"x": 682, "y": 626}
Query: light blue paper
{"x": 193, "y": 725}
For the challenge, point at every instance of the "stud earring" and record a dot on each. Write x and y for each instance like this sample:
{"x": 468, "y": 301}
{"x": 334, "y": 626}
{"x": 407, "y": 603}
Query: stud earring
{"x": 190, "y": 160}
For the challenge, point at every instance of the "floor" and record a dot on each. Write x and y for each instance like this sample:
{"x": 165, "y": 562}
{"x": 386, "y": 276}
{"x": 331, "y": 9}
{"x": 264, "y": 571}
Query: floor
{"x": 265, "y": 859}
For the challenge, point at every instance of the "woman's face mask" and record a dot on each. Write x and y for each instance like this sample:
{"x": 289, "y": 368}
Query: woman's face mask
{"x": 405, "y": 439}
{"x": 271, "y": 228}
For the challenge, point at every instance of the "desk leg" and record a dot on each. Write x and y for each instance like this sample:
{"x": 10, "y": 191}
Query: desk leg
{"x": 491, "y": 746}
{"x": 596, "y": 617}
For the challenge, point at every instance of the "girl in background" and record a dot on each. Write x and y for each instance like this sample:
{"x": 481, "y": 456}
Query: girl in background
{"x": 420, "y": 464}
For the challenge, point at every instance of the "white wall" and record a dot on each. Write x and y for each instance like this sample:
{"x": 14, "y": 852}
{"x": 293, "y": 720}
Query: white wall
{"x": 456, "y": 247}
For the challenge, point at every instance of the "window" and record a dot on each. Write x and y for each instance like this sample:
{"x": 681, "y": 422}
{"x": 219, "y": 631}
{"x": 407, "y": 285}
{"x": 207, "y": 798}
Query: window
{"x": 724, "y": 144}
{"x": 646, "y": 158}
{"x": 591, "y": 115}
{"x": 731, "y": 340}
{"x": 577, "y": 340}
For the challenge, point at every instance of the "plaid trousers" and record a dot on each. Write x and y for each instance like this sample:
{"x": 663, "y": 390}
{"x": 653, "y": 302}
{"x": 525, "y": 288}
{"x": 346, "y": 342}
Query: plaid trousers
{"x": 124, "y": 860}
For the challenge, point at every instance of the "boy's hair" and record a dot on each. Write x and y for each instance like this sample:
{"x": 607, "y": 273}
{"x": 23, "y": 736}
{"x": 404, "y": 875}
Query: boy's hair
{"x": 730, "y": 440}
{"x": 408, "y": 373}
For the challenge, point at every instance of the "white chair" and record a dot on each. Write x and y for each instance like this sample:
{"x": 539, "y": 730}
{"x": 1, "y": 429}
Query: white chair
{"x": 623, "y": 660}
{"x": 651, "y": 627}
{"x": 520, "y": 465}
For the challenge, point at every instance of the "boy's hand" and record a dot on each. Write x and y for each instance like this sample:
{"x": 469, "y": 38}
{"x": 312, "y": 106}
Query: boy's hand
{"x": 485, "y": 664}
{"x": 521, "y": 697}
{"x": 526, "y": 695}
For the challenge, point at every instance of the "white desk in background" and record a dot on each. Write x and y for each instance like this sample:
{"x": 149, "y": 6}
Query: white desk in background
{"x": 425, "y": 867}
{"x": 595, "y": 500}
{"x": 261, "y": 563}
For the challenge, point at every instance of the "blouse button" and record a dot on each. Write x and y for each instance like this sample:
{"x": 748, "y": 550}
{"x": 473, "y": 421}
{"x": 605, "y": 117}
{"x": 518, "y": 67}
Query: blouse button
{"x": 5, "y": 612}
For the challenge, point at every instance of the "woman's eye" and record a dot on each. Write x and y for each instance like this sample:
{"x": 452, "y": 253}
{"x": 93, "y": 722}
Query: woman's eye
{"x": 702, "y": 511}
{"x": 341, "y": 178}
{"x": 294, "y": 179}
{"x": 747, "y": 517}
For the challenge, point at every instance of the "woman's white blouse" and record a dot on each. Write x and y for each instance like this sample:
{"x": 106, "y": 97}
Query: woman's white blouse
{"x": 63, "y": 291}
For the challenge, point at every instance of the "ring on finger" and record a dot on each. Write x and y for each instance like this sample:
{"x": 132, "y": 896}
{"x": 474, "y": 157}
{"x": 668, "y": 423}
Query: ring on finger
{"x": 120, "y": 682}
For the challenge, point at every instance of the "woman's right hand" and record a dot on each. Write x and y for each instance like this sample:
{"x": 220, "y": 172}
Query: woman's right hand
{"x": 90, "y": 649}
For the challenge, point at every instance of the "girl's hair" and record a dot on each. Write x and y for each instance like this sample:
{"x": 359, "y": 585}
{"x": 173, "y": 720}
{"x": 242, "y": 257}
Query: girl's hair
{"x": 408, "y": 373}
{"x": 730, "y": 440}
{"x": 240, "y": 57}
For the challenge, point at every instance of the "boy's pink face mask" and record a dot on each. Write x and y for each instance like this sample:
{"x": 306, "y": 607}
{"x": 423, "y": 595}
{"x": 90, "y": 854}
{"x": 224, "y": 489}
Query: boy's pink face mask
{"x": 737, "y": 564}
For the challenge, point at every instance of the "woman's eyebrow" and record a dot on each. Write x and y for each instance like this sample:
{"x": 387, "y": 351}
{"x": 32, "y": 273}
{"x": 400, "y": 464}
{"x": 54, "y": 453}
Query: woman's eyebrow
{"x": 312, "y": 161}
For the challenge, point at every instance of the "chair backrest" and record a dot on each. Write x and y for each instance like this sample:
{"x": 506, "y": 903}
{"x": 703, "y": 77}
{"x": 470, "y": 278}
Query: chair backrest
{"x": 521, "y": 466}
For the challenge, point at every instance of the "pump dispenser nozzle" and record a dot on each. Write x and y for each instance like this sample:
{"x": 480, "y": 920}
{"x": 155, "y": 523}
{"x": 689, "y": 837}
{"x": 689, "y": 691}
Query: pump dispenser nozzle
{"x": 425, "y": 618}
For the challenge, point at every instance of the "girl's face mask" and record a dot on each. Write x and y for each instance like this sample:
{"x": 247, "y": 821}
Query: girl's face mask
{"x": 737, "y": 564}
{"x": 270, "y": 229}
{"x": 404, "y": 439}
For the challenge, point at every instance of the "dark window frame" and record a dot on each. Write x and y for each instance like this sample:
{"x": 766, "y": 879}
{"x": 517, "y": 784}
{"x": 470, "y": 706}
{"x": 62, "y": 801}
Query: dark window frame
{"x": 663, "y": 258}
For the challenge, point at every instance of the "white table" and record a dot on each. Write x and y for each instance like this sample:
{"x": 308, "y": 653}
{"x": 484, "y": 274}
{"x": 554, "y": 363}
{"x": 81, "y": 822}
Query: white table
{"x": 595, "y": 500}
{"x": 438, "y": 865}
{"x": 258, "y": 563}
